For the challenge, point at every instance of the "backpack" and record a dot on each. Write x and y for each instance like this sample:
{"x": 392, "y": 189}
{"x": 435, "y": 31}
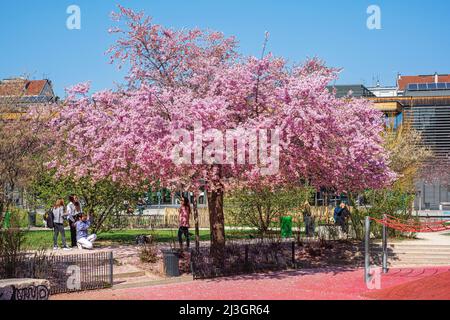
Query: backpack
{"x": 48, "y": 216}
{"x": 143, "y": 239}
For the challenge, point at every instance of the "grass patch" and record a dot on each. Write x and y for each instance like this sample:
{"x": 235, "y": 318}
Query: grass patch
{"x": 43, "y": 239}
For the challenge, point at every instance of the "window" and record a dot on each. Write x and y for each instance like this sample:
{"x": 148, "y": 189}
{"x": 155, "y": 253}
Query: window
{"x": 422, "y": 86}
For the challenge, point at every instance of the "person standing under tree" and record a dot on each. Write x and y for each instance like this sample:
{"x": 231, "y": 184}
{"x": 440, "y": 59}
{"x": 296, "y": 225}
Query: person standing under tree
{"x": 308, "y": 219}
{"x": 343, "y": 215}
{"x": 337, "y": 212}
{"x": 73, "y": 213}
{"x": 184, "y": 214}
{"x": 58, "y": 224}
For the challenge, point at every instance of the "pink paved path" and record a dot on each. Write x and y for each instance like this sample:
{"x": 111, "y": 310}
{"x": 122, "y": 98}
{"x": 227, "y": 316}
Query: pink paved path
{"x": 323, "y": 284}
{"x": 435, "y": 287}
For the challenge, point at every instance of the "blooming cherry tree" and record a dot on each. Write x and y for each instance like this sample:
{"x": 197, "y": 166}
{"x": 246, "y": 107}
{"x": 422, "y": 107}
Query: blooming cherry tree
{"x": 196, "y": 81}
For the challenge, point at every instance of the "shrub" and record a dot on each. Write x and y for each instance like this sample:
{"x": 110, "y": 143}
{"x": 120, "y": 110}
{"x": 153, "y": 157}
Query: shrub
{"x": 11, "y": 252}
{"x": 148, "y": 253}
{"x": 104, "y": 200}
{"x": 19, "y": 218}
{"x": 262, "y": 209}
{"x": 379, "y": 202}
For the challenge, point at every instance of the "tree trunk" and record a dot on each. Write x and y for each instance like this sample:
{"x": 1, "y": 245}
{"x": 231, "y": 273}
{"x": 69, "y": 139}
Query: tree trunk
{"x": 217, "y": 225}
{"x": 197, "y": 228}
{"x": 2, "y": 204}
{"x": 1, "y": 213}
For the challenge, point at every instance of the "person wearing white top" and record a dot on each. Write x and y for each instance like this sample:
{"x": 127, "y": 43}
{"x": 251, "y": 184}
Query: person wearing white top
{"x": 58, "y": 224}
{"x": 73, "y": 213}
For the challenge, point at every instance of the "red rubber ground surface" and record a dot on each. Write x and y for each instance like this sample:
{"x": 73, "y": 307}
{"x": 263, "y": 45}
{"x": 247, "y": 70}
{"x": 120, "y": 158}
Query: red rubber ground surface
{"x": 324, "y": 284}
{"x": 435, "y": 287}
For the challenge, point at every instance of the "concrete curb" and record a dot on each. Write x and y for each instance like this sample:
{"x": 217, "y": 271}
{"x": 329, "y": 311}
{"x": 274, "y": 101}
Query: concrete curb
{"x": 174, "y": 280}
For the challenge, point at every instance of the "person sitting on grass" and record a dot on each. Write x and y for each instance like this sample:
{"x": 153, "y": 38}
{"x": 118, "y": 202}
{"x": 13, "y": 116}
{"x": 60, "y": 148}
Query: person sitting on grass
{"x": 84, "y": 241}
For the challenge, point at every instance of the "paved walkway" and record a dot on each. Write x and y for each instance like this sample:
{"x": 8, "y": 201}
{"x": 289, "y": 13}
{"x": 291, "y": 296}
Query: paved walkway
{"x": 323, "y": 284}
{"x": 434, "y": 287}
{"x": 430, "y": 238}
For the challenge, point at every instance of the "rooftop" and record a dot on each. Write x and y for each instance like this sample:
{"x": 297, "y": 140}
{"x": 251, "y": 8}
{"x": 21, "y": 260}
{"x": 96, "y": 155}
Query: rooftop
{"x": 16, "y": 92}
{"x": 23, "y": 87}
{"x": 404, "y": 81}
{"x": 356, "y": 90}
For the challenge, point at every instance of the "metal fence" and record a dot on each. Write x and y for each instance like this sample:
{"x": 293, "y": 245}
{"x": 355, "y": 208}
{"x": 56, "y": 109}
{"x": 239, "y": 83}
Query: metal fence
{"x": 167, "y": 219}
{"x": 242, "y": 257}
{"x": 139, "y": 221}
{"x": 66, "y": 273}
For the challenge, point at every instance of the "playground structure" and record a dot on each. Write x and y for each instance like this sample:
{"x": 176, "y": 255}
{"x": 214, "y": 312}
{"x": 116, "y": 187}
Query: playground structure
{"x": 409, "y": 225}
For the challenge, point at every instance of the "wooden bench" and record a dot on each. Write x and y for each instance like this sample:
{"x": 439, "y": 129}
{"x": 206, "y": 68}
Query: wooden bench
{"x": 24, "y": 289}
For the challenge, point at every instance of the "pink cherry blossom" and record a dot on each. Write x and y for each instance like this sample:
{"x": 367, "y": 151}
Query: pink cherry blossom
{"x": 179, "y": 77}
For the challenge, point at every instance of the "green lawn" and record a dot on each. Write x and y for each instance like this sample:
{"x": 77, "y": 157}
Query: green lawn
{"x": 43, "y": 239}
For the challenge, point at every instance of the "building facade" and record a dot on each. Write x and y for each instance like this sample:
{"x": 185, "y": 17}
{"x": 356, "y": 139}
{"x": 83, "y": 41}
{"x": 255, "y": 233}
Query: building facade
{"x": 384, "y": 91}
{"x": 423, "y": 101}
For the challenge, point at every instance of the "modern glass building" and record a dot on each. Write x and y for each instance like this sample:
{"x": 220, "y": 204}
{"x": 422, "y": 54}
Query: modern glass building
{"x": 424, "y": 103}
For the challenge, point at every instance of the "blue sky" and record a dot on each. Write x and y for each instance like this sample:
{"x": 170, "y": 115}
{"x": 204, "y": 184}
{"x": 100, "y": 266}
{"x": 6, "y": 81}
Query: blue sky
{"x": 413, "y": 38}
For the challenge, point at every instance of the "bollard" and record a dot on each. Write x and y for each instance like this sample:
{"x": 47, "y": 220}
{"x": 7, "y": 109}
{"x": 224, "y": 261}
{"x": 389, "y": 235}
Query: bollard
{"x": 246, "y": 255}
{"x": 385, "y": 253}
{"x": 367, "y": 250}
{"x": 293, "y": 255}
{"x": 111, "y": 268}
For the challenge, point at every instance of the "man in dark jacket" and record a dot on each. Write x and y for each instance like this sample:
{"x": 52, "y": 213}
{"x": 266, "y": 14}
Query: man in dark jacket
{"x": 337, "y": 211}
{"x": 342, "y": 217}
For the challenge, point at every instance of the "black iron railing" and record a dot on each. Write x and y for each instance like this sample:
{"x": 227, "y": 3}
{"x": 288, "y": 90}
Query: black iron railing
{"x": 241, "y": 257}
{"x": 66, "y": 273}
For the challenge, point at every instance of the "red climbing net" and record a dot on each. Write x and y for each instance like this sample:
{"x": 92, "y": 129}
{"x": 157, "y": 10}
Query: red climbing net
{"x": 413, "y": 225}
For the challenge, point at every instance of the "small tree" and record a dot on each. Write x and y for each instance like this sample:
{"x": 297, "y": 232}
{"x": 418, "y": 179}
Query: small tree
{"x": 259, "y": 208}
{"x": 103, "y": 199}
{"x": 23, "y": 146}
{"x": 407, "y": 155}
